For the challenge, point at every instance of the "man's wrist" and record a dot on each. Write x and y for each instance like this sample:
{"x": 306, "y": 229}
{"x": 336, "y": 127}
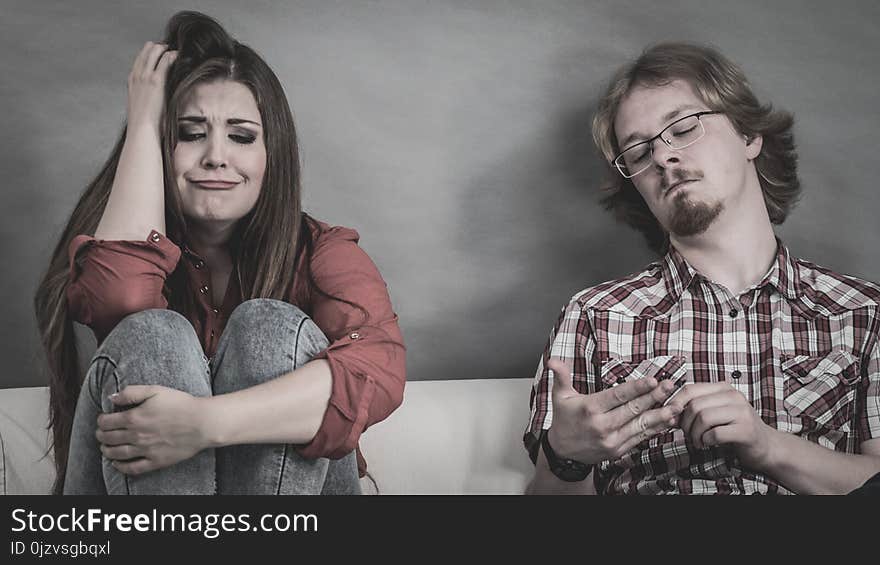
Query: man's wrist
{"x": 774, "y": 455}
{"x": 568, "y": 470}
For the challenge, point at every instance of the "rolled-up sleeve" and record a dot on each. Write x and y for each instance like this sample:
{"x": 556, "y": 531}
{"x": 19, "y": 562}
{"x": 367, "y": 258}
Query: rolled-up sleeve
{"x": 112, "y": 279}
{"x": 366, "y": 353}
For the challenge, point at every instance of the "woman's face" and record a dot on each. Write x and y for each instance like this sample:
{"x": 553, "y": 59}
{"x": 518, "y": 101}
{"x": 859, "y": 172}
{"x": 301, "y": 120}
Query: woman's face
{"x": 220, "y": 158}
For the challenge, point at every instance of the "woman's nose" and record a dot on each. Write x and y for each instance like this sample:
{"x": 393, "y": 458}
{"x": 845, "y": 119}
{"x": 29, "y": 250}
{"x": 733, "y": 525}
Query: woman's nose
{"x": 215, "y": 152}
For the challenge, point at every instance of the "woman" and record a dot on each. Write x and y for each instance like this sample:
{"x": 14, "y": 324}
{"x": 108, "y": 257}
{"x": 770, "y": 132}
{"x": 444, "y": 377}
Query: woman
{"x": 243, "y": 346}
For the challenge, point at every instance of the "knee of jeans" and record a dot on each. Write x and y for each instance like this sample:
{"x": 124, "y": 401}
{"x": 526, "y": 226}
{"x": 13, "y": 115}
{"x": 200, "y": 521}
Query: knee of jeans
{"x": 264, "y": 328}
{"x": 156, "y": 327}
{"x": 264, "y": 311}
{"x": 153, "y": 322}
{"x": 266, "y": 316}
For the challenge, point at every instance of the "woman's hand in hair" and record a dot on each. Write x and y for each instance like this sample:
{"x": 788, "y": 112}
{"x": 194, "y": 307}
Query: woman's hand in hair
{"x": 162, "y": 427}
{"x": 146, "y": 86}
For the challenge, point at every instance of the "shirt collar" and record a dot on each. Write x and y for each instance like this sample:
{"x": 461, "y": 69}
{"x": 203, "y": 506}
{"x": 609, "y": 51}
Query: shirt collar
{"x": 783, "y": 275}
{"x": 677, "y": 273}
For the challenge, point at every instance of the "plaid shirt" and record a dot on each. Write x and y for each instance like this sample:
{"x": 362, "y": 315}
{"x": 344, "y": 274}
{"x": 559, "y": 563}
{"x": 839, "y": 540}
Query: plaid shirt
{"x": 801, "y": 345}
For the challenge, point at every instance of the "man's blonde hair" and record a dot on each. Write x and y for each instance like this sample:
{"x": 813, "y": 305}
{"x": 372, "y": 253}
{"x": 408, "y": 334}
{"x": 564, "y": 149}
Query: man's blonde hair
{"x": 723, "y": 87}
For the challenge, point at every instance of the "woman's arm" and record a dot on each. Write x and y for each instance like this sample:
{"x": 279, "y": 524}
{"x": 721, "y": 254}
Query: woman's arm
{"x": 288, "y": 409}
{"x": 123, "y": 268}
{"x": 137, "y": 199}
{"x": 170, "y": 426}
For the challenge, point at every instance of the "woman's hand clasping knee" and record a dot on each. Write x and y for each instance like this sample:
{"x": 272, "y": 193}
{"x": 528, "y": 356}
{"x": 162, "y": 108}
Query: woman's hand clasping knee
{"x": 162, "y": 427}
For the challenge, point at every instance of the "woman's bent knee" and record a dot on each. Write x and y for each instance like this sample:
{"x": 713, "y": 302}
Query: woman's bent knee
{"x": 264, "y": 324}
{"x": 260, "y": 313}
{"x": 156, "y": 331}
{"x": 152, "y": 347}
{"x": 263, "y": 339}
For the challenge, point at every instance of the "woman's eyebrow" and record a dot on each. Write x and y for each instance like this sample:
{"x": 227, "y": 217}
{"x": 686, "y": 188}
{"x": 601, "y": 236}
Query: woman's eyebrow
{"x": 230, "y": 121}
{"x": 236, "y": 121}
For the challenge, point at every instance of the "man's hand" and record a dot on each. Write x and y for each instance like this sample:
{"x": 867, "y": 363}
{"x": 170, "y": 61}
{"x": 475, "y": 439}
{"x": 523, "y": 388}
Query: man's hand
{"x": 164, "y": 428}
{"x": 718, "y": 414}
{"x": 594, "y": 427}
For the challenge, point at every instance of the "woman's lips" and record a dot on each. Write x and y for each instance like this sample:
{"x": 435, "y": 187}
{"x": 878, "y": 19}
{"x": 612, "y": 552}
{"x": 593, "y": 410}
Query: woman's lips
{"x": 214, "y": 184}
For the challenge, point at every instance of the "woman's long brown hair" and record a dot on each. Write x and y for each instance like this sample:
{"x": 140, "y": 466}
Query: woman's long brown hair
{"x": 269, "y": 241}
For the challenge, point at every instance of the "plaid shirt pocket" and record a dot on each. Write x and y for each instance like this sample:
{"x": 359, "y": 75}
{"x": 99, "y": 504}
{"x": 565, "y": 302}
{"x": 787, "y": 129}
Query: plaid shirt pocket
{"x": 614, "y": 371}
{"x": 821, "y": 389}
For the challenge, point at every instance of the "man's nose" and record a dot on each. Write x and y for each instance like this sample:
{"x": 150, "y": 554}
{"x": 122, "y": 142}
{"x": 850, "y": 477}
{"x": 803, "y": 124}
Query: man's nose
{"x": 664, "y": 155}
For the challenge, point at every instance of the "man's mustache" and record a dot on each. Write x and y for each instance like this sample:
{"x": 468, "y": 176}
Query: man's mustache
{"x": 677, "y": 175}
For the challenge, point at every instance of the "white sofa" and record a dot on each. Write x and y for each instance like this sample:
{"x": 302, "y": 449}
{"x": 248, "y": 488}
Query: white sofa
{"x": 448, "y": 437}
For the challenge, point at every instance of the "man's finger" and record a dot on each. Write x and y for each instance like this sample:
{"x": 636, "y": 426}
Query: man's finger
{"x": 721, "y": 435}
{"x": 562, "y": 386}
{"x": 695, "y": 390}
{"x": 611, "y": 398}
{"x": 647, "y": 426}
{"x": 706, "y": 402}
{"x": 710, "y": 418}
{"x": 637, "y": 406}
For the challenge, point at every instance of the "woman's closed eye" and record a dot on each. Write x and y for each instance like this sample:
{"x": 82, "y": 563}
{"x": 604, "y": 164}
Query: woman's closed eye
{"x": 190, "y": 135}
{"x": 237, "y": 137}
{"x": 244, "y": 139}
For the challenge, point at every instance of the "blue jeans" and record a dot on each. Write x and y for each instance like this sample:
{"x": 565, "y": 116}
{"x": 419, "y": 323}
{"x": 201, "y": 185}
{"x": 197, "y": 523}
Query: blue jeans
{"x": 263, "y": 339}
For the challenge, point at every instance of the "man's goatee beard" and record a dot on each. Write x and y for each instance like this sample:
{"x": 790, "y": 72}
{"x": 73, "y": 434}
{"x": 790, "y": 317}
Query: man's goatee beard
{"x": 691, "y": 218}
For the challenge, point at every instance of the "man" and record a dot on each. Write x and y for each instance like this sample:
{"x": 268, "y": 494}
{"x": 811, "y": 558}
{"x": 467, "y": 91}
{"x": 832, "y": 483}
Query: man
{"x": 729, "y": 366}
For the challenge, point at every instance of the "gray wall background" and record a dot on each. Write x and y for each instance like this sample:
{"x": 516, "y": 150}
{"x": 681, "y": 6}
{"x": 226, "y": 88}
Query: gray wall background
{"x": 453, "y": 135}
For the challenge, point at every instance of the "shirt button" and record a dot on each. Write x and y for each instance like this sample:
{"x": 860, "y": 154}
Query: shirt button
{"x": 155, "y": 237}
{"x": 212, "y": 335}
{"x": 736, "y": 374}
{"x": 354, "y": 335}
{"x": 733, "y": 312}
{"x": 216, "y": 311}
{"x": 200, "y": 264}
{"x": 204, "y": 289}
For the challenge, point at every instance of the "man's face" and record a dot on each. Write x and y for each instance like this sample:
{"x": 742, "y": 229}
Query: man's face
{"x": 686, "y": 189}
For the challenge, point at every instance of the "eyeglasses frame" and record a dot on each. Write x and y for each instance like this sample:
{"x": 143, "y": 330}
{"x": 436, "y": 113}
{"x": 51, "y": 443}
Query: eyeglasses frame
{"x": 620, "y": 168}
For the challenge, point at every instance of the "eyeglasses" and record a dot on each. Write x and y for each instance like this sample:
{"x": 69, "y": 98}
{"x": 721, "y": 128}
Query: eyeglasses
{"x": 681, "y": 133}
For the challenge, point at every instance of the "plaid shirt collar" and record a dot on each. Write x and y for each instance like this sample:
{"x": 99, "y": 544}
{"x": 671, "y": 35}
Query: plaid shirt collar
{"x": 783, "y": 275}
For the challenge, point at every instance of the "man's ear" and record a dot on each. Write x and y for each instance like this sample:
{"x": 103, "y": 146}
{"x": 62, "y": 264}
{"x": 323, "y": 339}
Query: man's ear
{"x": 753, "y": 146}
